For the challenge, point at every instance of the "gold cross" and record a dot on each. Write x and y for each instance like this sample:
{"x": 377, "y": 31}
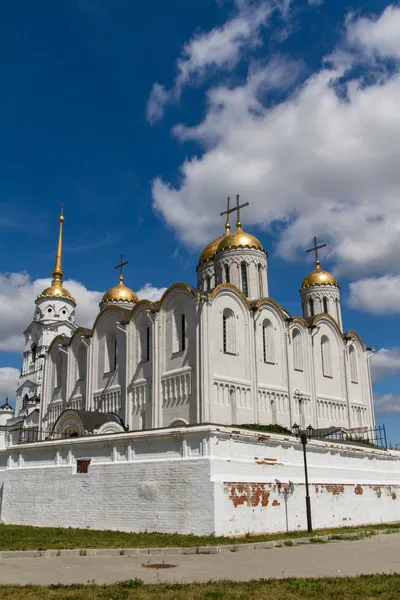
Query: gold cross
{"x": 121, "y": 266}
{"x": 315, "y": 249}
{"x": 235, "y": 209}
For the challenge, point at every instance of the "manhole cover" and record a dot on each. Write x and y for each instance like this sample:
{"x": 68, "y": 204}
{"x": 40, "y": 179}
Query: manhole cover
{"x": 159, "y": 566}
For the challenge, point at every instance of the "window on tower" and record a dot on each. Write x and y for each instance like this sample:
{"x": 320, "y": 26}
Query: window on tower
{"x": 227, "y": 274}
{"x": 311, "y": 307}
{"x": 260, "y": 282}
{"x": 325, "y": 304}
{"x": 243, "y": 268}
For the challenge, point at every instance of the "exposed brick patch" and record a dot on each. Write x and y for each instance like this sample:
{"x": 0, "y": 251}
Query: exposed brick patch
{"x": 276, "y": 503}
{"x": 358, "y": 490}
{"x": 335, "y": 489}
{"x": 394, "y": 496}
{"x": 251, "y": 494}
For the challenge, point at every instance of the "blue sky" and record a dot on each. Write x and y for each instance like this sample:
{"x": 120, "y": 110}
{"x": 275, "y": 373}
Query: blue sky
{"x": 142, "y": 117}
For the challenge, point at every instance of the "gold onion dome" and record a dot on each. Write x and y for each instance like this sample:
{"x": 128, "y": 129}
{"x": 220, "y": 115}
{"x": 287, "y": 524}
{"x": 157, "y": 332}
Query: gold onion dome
{"x": 239, "y": 239}
{"x": 119, "y": 293}
{"x": 211, "y": 249}
{"x": 56, "y": 289}
{"x": 319, "y": 277}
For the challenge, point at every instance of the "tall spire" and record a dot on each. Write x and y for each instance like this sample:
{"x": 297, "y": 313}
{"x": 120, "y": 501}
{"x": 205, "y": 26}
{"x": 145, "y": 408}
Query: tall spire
{"x": 57, "y": 272}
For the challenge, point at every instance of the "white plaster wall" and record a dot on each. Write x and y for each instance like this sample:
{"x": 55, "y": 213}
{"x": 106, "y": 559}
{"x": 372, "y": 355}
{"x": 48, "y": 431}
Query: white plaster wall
{"x": 134, "y": 484}
{"x": 203, "y": 480}
{"x": 259, "y": 485}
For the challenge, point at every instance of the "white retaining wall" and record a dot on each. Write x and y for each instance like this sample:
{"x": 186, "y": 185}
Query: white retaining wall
{"x": 200, "y": 480}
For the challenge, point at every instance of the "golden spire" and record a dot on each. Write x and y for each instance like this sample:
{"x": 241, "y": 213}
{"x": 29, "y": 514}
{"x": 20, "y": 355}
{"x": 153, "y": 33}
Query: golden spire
{"x": 56, "y": 289}
{"x": 57, "y": 272}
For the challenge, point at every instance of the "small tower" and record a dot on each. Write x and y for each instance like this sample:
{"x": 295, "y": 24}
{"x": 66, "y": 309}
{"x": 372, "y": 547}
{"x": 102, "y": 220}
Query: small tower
{"x": 6, "y": 412}
{"x": 241, "y": 260}
{"x": 119, "y": 295}
{"x": 55, "y": 303}
{"x": 320, "y": 292}
{"x": 54, "y": 315}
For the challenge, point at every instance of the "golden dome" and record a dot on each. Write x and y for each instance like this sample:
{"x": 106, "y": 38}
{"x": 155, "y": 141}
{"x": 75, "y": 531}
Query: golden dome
{"x": 210, "y": 250}
{"x": 120, "y": 293}
{"x": 239, "y": 239}
{"x": 57, "y": 291}
{"x": 319, "y": 277}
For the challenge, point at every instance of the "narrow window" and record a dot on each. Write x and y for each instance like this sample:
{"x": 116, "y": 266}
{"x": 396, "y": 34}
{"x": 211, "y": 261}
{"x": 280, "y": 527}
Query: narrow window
{"x": 227, "y": 275}
{"x": 208, "y": 283}
{"x": 228, "y": 326}
{"x": 268, "y": 342}
{"x": 58, "y": 372}
{"x": 244, "y": 279}
{"x": 147, "y": 354}
{"x": 325, "y": 304}
{"x": 326, "y": 357}
{"x": 297, "y": 351}
{"x": 353, "y": 365}
{"x": 311, "y": 307}
{"x": 110, "y": 359}
{"x": 34, "y": 351}
{"x": 81, "y": 360}
{"x": 183, "y": 333}
{"x": 260, "y": 282}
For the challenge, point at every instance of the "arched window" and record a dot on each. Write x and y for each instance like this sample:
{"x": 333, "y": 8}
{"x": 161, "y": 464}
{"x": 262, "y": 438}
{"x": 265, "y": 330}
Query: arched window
{"x": 81, "y": 360}
{"x": 311, "y": 307}
{"x": 325, "y": 304}
{"x": 178, "y": 332}
{"x": 208, "y": 283}
{"x": 260, "y": 282}
{"x": 227, "y": 274}
{"x": 297, "y": 351}
{"x": 58, "y": 370}
{"x": 326, "y": 357}
{"x": 34, "y": 353}
{"x": 353, "y": 365}
{"x": 243, "y": 268}
{"x": 110, "y": 354}
{"x": 228, "y": 325}
{"x": 183, "y": 333}
{"x": 268, "y": 342}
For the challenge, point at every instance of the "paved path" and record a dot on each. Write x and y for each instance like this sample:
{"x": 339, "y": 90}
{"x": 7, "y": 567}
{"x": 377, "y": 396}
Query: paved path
{"x": 379, "y": 554}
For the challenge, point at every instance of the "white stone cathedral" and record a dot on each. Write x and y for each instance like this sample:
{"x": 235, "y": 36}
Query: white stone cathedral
{"x": 223, "y": 353}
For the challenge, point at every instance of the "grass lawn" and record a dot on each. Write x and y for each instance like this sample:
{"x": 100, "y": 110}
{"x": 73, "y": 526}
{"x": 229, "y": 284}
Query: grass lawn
{"x": 366, "y": 587}
{"x": 21, "y": 537}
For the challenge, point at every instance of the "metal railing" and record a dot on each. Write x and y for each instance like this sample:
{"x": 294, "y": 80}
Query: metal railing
{"x": 374, "y": 438}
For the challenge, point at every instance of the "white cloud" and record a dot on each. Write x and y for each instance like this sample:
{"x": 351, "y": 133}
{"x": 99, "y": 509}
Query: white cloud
{"x": 8, "y": 383}
{"x": 388, "y": 403}
{"x": 385, "y": 362}
{"x": 149, "y": 292}
{"x": 378, "y": 295}
{"x": 211, "y": 50}
{"x": 323, "y": 161}
{"x": 17, "y": 295}
{"x": 378, "y": 34}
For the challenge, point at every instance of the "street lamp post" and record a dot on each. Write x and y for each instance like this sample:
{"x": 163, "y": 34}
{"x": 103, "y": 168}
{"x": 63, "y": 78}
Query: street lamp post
{"x": 304, "y": 435}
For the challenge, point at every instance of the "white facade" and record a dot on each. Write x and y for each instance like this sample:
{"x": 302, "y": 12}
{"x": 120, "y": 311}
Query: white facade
{"x": 223, "y": 353}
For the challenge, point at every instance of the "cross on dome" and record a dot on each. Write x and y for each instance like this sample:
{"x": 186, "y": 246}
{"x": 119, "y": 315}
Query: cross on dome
{"x": 121, "y": 265}
{"x": 315, "y": 249}
{"x": 235, "y": 209}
